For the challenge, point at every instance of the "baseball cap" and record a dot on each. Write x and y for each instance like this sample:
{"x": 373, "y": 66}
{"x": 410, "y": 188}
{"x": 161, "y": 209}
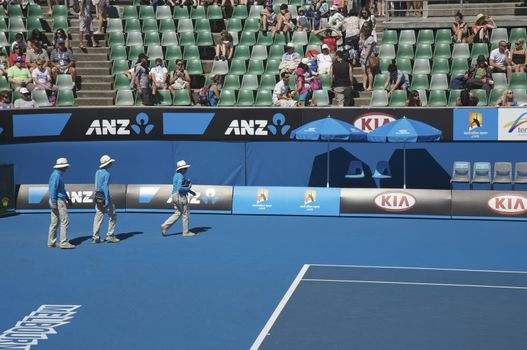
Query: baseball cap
{"x": 142, "y": 55}
{"x": 19, "y": 59}
{"x": 290, "y": 45}
{"x": 24, "y": 90}
{"x": 305, "y": 60}
{"x": 325, "y": 47}
{"x": 60, "y": 41}
{"x": 334, "y": 8}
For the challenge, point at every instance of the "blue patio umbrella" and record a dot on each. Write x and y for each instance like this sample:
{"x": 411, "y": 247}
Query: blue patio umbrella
{"x": 329, "y": 129}
{"x": 405, "y": 130}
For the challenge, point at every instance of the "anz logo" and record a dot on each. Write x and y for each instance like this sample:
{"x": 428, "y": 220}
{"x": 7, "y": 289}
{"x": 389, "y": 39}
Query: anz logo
{"x": 121, "y": 126}
{"x": 81, "y": 196}
{"x": 258, "y": 127}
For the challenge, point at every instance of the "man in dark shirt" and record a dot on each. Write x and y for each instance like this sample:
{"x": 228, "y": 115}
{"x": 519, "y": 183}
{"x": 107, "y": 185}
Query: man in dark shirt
{"x": 142, "y": 81}
{"x": 341, "y": 73}
{"x": 62, "y": 60}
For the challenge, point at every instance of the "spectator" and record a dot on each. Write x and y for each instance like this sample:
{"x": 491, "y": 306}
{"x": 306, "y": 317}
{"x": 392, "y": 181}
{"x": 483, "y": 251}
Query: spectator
{"x": 396, "y": 80}
{"x": 38, "y": 37}
{"x": 290, "y": 59}
{"x": 86, "y": 23}
{"x": 500, "y": 59}
{"x": 179, "y": 79}
{"x": 62, "y": 60}
{"x": 42, "y": 79}
{"x": 313, "y": 14}
{"x": 268, "y": 19}
{"x": 480, "y": 28}
{"x": 60, "y": 34}
{"x": 323, "y": 8}
{"x": 17, "y": 52}
{"x": 20, "y": 42}
{"x": 478, "y": 77}
{"x": 224, "y": 46}
{"x": 101, "y": 6}
{"x": 366, "y": 16}
{"x": 341, "y": 74}
{"x": 281, "y": 92}
{"x": 5, "y": 102}
{"x": 302, "y": 23}
{"x": 303, "y": 89}
{"x": 367, "y": 46}
{"x": 335, "y": 18}
{"x": 351, "y": 27}
{"x": 467, "y": 99}
{"x": 418, "y": 7}
{"x": 18, "y": 76}
{"x": 34, "y": 54}
{"x": 224, "y": 4}
{"x": 4, "y": 62}
{"x": 284, "y": 20}
{"x": 339, "y": 4}
{"x": 328, "y": 38}
{"x": 518, "y": 56}
{"x": 507, "y": 99}
{"x": 210, "y": 96}
{"x": 459, "y": 29}
{"x": 413, "y": 99}
{"x": 367, "y": 27}
{"x": 25, "y": 100}
{"x": 381, "y": 8}
{"x": 142, "y": 81}
{"x": 324, "y": 60}
{"x": 158, "y": 76}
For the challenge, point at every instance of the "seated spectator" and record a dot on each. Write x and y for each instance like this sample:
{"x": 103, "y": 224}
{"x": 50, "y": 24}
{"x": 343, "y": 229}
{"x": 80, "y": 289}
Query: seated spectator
{"x": 341, "y": 73}
{"x": 478, "y": 76}
{"x": 459, "y": 29}
{"x": 158, "y": 76}
{"x": 224, "y": 4}
{"x": 324, "y": 60}
{"x": 20, "y": 42}
{"x": 480, "y": 28}
{"x": 268, "y": 19}
{"x": 284, "y": 21}
{"x": 281, "y": 92}
{"x": 302, "y": 23}
{"x": 42, "y": 79}
{"x": 413, "y": 99}
{"x": 62, "y": 60}
{"x": 500, "y": 59}
{"x": 142, "y": 82}
{"x": 5, "y": 102}
{"x": 396, "y": 80}
{"x": 19, "y": 76}
{"x": 17, "y": 52}
{"x": 327, "y": 37}
{"x": 179, "y": 79}
{"x": 507, "y": 99}
{"x": 34, "y": 54}
{"x": 290, "y": 59}
{"x": 518, "y": 56}
{"x": 4, "y": 61}
{"x": 367, "y": 46}
{"x": 60, "y": 34}
{"x": 467, "y": 99}
{"x": 25, "y": 100}
{"x": 38, "y": 37}
{"x": 335, "y": 19}
{"x": 224, "y": 46}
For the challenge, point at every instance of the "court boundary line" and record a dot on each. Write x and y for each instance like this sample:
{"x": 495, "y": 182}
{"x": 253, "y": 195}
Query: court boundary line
{"x": 418, "y": 268}
{"x": 415, "y": 283}
{"x": 261, "y": 337}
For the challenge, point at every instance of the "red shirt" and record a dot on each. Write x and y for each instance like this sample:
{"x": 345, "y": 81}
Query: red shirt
{"x": 331, "y": 42}
{"x": 12, "y": 58}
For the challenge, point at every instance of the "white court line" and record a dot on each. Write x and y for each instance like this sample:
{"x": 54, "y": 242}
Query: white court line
{"x": 416, "y": 268}
{"x": 415, "y": 283}
{"x": 279, "y": 308}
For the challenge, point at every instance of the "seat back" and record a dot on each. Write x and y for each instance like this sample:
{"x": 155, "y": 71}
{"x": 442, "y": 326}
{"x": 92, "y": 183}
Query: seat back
{"x": 355, "y": 170}
{"x": 481, "y": 172}
{"x": 461, "y": 172}
{"x": 382, "y": 170}
{"x": 520, "y": 173}
{"x": 502, "y": 172}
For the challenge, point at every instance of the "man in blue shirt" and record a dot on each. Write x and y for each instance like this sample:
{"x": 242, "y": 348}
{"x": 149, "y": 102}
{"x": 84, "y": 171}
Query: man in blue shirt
{"x": 102, "y": 182}
{"x": 180, "y": 190}
{"x": 58, "y": 202}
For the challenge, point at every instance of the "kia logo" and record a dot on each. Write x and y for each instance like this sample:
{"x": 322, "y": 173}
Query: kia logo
{"x": 394, "y": 201}
{"x": 508, "y": 204}
{"x": 370, "y": 121}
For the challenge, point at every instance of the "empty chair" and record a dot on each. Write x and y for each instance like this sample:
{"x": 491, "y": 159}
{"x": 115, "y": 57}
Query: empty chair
{"x": 146, "y": 12}
{"x": 163, "y": 98}
{"x": 444, "y": 36}
{"x": 459, "y": 66}
{"x": 129, "y": 11}
{"x": 481, "y": 95}
{"x": 502, "y": 173}
{"x": 245, "y": 98}
{"x": 180, "y": 12}
{"x": 460, "y": 50}
{"x": 460, "y": 172}
{"x": 197, "y": 12}
{"x": 379, "y": 98}
{"x": 227, "y": 98}
{"x": 398, "y": 98}
{"x": 517, "y": 33}
{"x": 407, "y": 37}
{"x": 481, "y": 172}
{"x": 249, "y": 82}
{"x": 151, "y": 38}
{"x": 169, "y": 39}
{"x": 500, "y": 80}
{"x": 479, "y": 49}
{"x": 419, "y": 82}
{"x": 219, "y": 68}
{"x": 520, "y": 173}
{"x": 387, "y": 51}
{"x": 443, "y": 51}
{"x": 499, "y": 34}
{"x": 382, "y": 170}
{"x": 267, "y": 81}
{"x": 320, "y": 98}
{"x": 520, "y": 95}
{"x": 114, "y": 25}
{"x": 404, "y": 65}
{"x": 405, "y": 51}
{"x": 495, "y": 94}
{"x": 355, "y": 170}
{"x": 167, "y": 25}
{"x": 518, "y": 81}
{"x": 300, "y": 38}
{"x": 121, "y": 82}
{"x": 256, "y": 66}
{"x": 214, "y": 12}
{"x": 389, "y": 36}
{"x": 259, "y": 52}
{"x": 437, "y": 98}
{"x": 41, "y": 98}
{"x": 64, "y": 82}
{"x": 452, "y": 98}
{"x": 134, "y": 39}
{"x": 264, "y": 98}
{"x": 439, "y": 82}
{"x": 132, "y": 25}
{"x": 163, "y": 12}
{"x": 185, "y": 25}
{"x": 379, "y": 80}
{"x": 440, "y": 66}
{"x": 65, "y": 98}
{"x": 423, "y": 51}
{"x": 124, "y": 98}
{"x": 231, "y": 82}
{"x": 423, "y": 97}
{"x": 422, "y": 66}
{"x": 181, "y": 98}
{"x": 425, "y": 36}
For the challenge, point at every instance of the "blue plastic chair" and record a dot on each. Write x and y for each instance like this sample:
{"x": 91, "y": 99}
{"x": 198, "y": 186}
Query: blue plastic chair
{"x": 382, "y": 170}
{"x": 355, "y": 170}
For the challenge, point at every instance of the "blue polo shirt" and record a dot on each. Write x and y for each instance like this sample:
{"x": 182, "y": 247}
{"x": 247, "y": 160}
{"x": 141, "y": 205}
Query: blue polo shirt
{"x": 102, "y": 179}
{"x": 178, "y": 184}
{"x": 56, "y": 187}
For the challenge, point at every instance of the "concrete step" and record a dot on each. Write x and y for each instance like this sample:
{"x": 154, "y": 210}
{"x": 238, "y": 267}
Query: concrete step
{"x": 94, "y": 94}
{"x": 99, "y": 87}
{"x": 82, "y": 63}
{"x": 495, "y": 8}
{"x": 92, "y": 71}
{"x": 96, "y": 79}
{"x": 89, "y": 101}
{"x": 90, "y": 50}
{"x": 99, "y": 37}
{"x": 361, "y": 102}
{"x": 92, "y": 57}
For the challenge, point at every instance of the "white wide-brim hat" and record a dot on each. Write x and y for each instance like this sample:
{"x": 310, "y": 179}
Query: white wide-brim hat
{"x": 182, "y": 165}
{"x": 61, "y": 163}
{"x": 105, "y": 160}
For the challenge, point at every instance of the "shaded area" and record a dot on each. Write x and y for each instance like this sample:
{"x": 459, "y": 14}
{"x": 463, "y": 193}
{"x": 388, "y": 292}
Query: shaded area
{"x": 196, "y": 230}
{"x": 124, "y": 236}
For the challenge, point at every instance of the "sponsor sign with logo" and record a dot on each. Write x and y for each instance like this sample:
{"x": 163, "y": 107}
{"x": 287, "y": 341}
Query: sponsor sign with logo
{"x": 36, "y": 197}
{"x": 286, "y": 201}
{"x": 512, "y": 124}
{"x": 208, "y": 198}
{"x": 476, "y": 124}
{"x": 360, "y": 201}
{"x": 489, "y": 203}
{"x": 7, "y": 188}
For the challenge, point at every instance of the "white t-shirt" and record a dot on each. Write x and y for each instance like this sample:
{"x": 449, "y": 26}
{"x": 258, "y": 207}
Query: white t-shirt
{"x": 158, "y": 72}
{"x": 324, "y": 62}
{"x": 280, "y": 89}
{"x": 39, "y": 76}
{"x": 498, "y": 57}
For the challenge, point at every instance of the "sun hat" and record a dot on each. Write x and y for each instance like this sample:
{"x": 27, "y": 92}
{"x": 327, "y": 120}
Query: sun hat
{"x": 182, "y": 165}
{"x": 105, "y": 160}
{"x": 24, "y": 90}
{"x": 290, "y": 45}
{"x": 61, "y": 163}
{"x": 305, "y": 60}
{"x": 480, "y": 16}
{"x": 325, "y": 47}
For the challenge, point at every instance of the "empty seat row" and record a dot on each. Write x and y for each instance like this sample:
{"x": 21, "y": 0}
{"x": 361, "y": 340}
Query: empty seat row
{"x": 458, "y": 50}
{"x": 482, "y": 173}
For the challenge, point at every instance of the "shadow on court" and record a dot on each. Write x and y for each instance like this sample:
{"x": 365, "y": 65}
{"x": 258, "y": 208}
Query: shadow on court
{"x": 122, "y": 236}
{"x": 198, "y": 230}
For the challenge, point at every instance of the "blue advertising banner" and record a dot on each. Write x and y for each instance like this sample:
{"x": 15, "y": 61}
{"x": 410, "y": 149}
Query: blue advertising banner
{"x": 286, "y": 201}
{"x": 476, "y": 124}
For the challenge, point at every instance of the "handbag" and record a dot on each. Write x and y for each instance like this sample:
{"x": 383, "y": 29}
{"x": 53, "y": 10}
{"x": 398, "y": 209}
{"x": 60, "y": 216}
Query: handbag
{"x": 374, "y": 61}
{"x": 99, "y": 197}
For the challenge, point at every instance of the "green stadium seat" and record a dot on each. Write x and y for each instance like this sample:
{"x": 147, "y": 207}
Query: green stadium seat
{"x": 517, "y": 33}
{"x": 256, "y": 66}
{"x": 389, "y": 36}
{"x": 134, "y": 52}
{"x": 114, "y": 25}
{"x": 387, "y": 51}
{"x": 248, "y": 38}
{"x": 320, "y": 98}
{"x": 245, "y": 98}
{"x": 271, "y": 66}
{"x": 163, "y": 98}
{"x": 186, "y": 39}
{"x": 202, "y": 25}
{"x": 146, "y": 12}
{"x": 180, "y": 12}
{"x": 238, "y": 66}
{"x": 204, "y": 39}
{"x": 379, "y": 98}
{"x": 167, "y": 25}
{"x": 404, "y": 65}
{"x": 16, "y": 24}
{"x": 59, "y": 11}
{"x": 268, "y": 81}
{"x": 315, "y": 40}
{"x": 453, "y": 95}
{"x": 405, "y": 51}
{"x": 3, "y": 26}
{"x": 116, "y": 38}
{"x": 194, "y": 67}
{"x": 460, "y": 50}
{"x": 384, "y": 63}
{"x": 34, "y": 10}
{"x": 149, "y": 25}
{"x": 459, "y": 66}
{"x": 65, "y": 98}
{"x": 259, "y": 52}
{"x": 118, "y": 53}
{"x": 423, "y": 51}
{"x": 444, "y": 36}
{"x": 437, "y": 98}
{"x": 518, "y": 81}
{"x": 234, "y": 25}
{"x": 425, "y": 36}
{"x": 299, "y": 38}
{"x": 520, "y": 95}
{"x": 300, "y": 49}
{"x": 33, "y": 23}
{"x": 264, "y": 38}
{"x": 440, "y": 66}
{"x": 264, "y": 97}
{"x": 64, "y": 82}
{"x": 4, "y": 85}
{"x": 129, "y": 12}
{"x": 242, "y": 52}
{"x": 121, "y": 82}
{"x": 3, "y": 40}
{"x": 173, "y": 53}
{"x": 423, "y": 98}
{"x": 419, "y": 82}
{"x": 240, "y": 12}
{"x": 495, "y": 94}
{"x": 379, "y": 80}
{"x": 214, "y": 12}
{"x": 191, "y": 52}
{"x": 181, "y": 98}
{"x": 252, "y": 25}
{"x": 407, "y": 37}
{"x": 280, "y": 38}
{"x": 500, "y": 80}
{"x": 482, "y": 96}
{"x": 439, "y": 82}
{"x": 197, "y": 12}
{"x": 276, "y": 52}
{"x": 163, "y": 12}
{"x": 231, "y": 82}
{"x": 398, "y": 98}
{"x": 41, "y": 98}
{"x": 169, "y": 39}
{"x": 479, "y": 49}
{"x": 154, "y": 51}
{"x": 124, "y": 98}
{"x": 249, "y": 82}
{"x": 151, "y": 38}
{"x": 499, "y": 34}
{"x": 227, "y": 98}
{"x": 134, "y": 39}
{"x": 132, "y": 25}
{"x": 442, "y": 51}
{"x": 219, "y": 68}
{"x": 119, "y": 66}
{"x": 185, "y": 25}
{"x": 325, "y": 81}
{"x": 255, "y": 11}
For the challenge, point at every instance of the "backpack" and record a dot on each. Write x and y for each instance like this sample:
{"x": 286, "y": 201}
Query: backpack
{"x": 203, "y": 96}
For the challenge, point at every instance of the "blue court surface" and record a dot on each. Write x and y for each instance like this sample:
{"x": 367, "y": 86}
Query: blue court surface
{"x": 364, "y": 283}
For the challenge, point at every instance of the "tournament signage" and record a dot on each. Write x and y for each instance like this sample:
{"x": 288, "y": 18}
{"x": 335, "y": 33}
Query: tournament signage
{"x": 286, "y": 201}
{"x": 476, "y": 124}
{"x": 512, "y": 124}
{"x": 489, "y": 203}
{"x": 7, "y": 188}
{"x": 207, "y": 198}
{"x": 398, "y": 202}
{"x": 33, "y": 198}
